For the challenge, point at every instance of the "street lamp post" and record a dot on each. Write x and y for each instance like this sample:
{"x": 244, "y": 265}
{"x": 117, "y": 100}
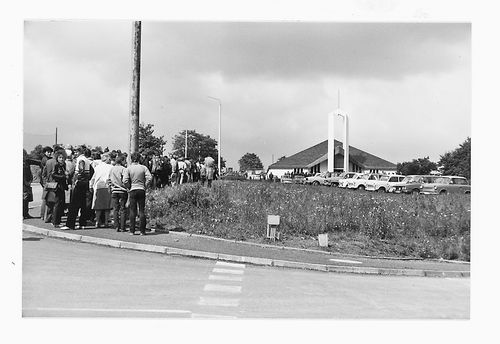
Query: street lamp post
{"x": 220, "y": 143}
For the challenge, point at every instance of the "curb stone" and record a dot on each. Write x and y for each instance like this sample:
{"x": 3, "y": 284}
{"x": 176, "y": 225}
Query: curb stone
{"x": 142, "y": 247}
{"x": 100, "y": 241}
{"x": 252, "y": 260}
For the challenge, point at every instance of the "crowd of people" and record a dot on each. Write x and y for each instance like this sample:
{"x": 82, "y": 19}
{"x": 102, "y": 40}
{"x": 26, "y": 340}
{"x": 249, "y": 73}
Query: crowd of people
{"x": 101, "y": 189}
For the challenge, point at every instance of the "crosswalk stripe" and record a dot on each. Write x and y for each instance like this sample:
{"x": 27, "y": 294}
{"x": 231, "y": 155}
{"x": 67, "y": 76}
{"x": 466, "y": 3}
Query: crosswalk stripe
{"x": 225, "y": 278}
{"x": 217, "y": 301}
{"x": 223, "y": 288}
{"x": 228, "y": 271}
{"x": 232, "y": 265}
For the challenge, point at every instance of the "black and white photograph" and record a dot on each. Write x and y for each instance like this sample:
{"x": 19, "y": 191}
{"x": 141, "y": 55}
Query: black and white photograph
{"x": 224, "y": 169}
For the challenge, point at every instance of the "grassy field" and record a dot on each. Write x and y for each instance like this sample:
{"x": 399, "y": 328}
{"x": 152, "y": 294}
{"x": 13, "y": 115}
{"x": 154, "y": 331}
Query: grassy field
{"x": 358, "y": 222}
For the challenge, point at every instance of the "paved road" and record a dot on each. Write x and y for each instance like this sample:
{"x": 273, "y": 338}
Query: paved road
{"x": 62, "y": 278}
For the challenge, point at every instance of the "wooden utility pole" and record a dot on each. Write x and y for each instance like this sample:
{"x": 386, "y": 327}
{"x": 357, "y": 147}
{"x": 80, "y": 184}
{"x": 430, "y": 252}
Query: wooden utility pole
{"x": 56, "y": 136}
{"x": 135, "y": 90}
{"x": 186, "y": 145}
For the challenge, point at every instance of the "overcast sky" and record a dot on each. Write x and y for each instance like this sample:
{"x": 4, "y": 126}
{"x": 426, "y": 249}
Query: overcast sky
{"x": 406, "y": 87}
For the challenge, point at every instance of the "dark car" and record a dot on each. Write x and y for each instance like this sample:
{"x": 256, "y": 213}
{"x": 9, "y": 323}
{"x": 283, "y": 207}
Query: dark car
{"x": 412, "y": 184}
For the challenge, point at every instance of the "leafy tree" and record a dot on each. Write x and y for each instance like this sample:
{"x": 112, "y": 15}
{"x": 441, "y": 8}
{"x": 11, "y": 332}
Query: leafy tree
{"x": 36, "y": 153}
{"x": 458, "y": 162}
{"x": 148, "y": 143}
{"x": 416, "y": 166}
{"x": 199, "y": 146}
{"x": 250, "y": 161}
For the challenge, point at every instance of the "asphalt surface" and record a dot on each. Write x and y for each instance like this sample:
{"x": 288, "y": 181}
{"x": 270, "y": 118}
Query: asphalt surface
{"x": 74, "y": 279}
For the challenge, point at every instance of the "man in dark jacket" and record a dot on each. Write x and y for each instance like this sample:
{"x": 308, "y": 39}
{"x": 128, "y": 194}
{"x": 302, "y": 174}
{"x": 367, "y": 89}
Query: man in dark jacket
{"x": 81, "y": 178}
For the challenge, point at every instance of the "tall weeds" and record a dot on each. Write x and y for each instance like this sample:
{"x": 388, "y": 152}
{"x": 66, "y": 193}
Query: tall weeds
{"x": 406, "y": 225}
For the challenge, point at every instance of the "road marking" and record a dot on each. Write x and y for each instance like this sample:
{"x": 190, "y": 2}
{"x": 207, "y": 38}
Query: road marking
{"x": 232, "y": 265}
{"x": 223, "y": 288}
{"x": 225, "y": 278}
{"x": 346, "y": 261}
{"x": 217, "y": 301}
{"x": 228, "y": 271}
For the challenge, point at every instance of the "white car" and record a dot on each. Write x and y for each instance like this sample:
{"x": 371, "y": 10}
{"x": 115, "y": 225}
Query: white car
{"x": 317, "y": 179}
{"x": 384, "y": 184}
{"x": 359, "y": 183}
{"x": 347, "y": 177}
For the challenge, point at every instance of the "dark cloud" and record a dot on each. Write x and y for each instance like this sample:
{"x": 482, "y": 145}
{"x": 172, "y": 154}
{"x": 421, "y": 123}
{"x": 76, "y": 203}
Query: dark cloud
{"x": 296, "y": 50}
{"x": 277, "y": 82}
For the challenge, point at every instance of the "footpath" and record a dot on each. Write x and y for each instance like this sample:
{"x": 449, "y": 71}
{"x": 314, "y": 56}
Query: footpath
{"x": 199, "y": 246}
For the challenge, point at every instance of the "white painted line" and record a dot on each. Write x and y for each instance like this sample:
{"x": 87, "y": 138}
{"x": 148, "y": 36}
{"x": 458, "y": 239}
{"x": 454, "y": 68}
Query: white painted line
{"x": 215, "y": 301}
{"x": 231, "y": 265}
{"x": 223, "y": 288}
{"x": 225, "y": 278}
{"x": 346, "y": 261}
{"x": 228, "y": 271}
{"x": 112, "y": 310}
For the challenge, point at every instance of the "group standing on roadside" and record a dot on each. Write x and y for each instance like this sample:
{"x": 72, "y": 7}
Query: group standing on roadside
{"x": 100, "y": 189}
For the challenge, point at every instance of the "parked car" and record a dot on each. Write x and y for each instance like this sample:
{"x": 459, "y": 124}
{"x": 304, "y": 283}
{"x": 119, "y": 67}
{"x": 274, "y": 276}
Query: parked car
{"x": 384, "y": 184}
{"x": 254, "y": 177}
{"x": 318, "y": 179}
{"x": 359, "y": 183}
{"x": 335, "y": 178}
{"x": 447, "y": 184}
{"x": 412, "y": 184}
{"x": 232, "y": 176}
{"x": 298, "y": 179}
{"x": 347, "y": 177}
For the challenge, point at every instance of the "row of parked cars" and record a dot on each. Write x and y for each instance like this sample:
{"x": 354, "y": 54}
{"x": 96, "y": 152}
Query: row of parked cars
{"x": 415, "y": 184}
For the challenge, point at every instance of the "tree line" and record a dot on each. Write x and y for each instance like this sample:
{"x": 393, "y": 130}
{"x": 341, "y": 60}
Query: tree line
{"x": 454, "y": 163}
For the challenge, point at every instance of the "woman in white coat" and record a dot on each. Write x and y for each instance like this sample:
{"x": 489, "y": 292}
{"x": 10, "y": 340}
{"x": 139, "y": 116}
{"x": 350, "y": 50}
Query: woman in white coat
{"x": 100, "y": 183}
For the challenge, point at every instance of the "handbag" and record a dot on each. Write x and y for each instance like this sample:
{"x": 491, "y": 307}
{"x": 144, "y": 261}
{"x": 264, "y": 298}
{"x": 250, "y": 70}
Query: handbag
{"x": 28, "y": 194}
{"x": 51, "y": 186}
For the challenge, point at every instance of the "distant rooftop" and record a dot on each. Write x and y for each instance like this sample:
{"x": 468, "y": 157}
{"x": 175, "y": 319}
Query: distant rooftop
{"x": 319, "y": 153}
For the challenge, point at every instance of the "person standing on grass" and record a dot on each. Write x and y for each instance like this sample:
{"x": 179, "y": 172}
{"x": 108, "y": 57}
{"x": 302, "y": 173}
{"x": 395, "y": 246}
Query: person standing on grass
{"x": 182, "y": 170}
{"x": 119, "y": 193}
{"x": 138, "y": 177}
{"x": 209, "y": 170}
{"x": 175, "y": 169}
